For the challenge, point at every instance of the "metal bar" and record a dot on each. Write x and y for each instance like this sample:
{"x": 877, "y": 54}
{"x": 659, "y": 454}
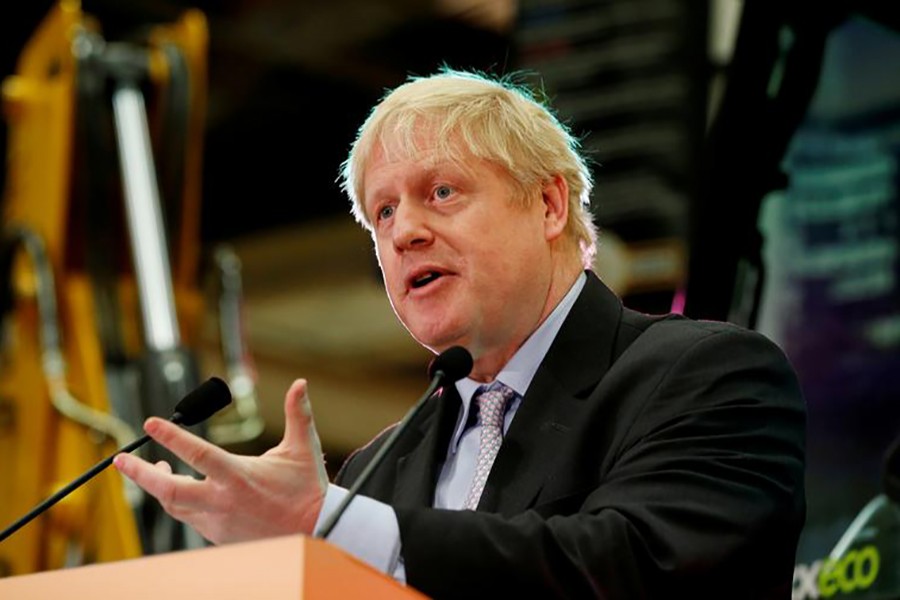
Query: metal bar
{"x": 142, "y": 206}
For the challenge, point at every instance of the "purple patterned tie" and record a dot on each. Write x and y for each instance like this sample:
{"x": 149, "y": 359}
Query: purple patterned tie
{"x": 492, "y": 403}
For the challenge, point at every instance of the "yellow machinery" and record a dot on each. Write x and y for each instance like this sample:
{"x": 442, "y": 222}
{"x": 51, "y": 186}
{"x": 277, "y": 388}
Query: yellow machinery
{"x": 102, "y": 305}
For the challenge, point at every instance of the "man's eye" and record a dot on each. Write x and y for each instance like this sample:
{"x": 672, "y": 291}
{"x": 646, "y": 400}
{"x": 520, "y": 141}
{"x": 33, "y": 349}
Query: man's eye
{"x": 442, "y": 192}
{"x": 385, "y": 212}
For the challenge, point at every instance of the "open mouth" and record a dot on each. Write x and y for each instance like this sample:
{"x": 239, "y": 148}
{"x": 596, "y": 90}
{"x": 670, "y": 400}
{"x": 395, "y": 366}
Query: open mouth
{"x": 424, "y": 279}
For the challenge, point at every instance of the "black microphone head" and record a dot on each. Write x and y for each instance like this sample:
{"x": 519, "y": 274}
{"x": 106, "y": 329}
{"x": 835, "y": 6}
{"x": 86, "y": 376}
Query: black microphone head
{"x": 452, "y": 364}
{"x": 203, "y": 402}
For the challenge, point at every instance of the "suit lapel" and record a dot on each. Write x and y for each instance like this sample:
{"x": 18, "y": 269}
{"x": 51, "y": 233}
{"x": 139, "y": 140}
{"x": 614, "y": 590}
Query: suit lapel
{"x": 418, "y": 469}
{"x": 575, "y": 363}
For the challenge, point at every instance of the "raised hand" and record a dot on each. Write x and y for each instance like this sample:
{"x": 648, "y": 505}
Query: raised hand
{"x": 240, "y": 497}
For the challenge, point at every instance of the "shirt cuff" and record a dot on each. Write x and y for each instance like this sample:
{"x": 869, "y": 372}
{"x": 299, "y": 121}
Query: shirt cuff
{"x": 368, "y": 530}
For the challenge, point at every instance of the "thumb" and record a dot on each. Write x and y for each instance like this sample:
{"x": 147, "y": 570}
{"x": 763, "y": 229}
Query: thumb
{"x": 299, "y": 429}
{"x": 301, "y": 440}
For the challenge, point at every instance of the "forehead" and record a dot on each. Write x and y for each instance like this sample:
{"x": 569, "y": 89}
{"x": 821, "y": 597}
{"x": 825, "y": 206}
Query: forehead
{"x": 418, "y": 153}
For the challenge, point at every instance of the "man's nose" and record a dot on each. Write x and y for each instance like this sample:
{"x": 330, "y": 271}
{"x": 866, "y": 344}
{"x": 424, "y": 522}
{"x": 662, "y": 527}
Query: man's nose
{"x": 411, "y": 226}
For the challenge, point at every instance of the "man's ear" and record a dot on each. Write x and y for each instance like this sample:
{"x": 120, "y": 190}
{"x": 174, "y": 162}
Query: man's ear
{"x": 555, "y": 197}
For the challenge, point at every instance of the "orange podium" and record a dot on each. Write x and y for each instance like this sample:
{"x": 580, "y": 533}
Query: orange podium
{"x": 291, "y": 567}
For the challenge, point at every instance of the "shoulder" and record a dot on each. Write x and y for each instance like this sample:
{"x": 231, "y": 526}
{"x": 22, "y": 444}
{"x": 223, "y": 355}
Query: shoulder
{"x": 709, "y": 372}
{"x": 676, "y": 335}
{"x": 675, "y": 366}
{"x": 600, "y": 319}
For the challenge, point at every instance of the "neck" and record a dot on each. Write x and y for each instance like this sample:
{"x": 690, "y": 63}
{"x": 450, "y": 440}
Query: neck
{"x": 490, "y": 361}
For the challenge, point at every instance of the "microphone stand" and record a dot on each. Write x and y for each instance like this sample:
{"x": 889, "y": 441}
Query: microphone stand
{"x": 71, "y": 487}
{"x": 201, "y": 403}
{"x": 386, "y": 447}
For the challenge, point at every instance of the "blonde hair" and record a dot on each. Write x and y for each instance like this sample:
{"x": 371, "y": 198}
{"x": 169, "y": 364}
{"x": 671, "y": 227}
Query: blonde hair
{"x": 497, "y": 121}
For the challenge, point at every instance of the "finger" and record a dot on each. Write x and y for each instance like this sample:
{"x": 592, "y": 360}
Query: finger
{"x": 163, "y": 466}
{"x": 170, "y": 490}
{"x": 202, "y": 456}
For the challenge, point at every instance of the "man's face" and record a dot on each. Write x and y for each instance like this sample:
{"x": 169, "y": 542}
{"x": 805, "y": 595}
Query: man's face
{"x": 463, "y": 262}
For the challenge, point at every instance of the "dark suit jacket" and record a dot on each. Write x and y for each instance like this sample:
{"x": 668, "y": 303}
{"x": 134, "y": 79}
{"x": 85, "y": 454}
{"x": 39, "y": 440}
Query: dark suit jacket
{"x": 651, "y": 457}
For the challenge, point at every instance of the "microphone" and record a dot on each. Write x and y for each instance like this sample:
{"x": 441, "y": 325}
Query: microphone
{"x": 451, "y": 365}
{"x": 448, "y": 367}
{"x": 200, "y": 404}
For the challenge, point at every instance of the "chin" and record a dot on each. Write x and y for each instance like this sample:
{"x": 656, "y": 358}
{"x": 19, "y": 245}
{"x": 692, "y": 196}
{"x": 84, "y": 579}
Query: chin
{"x": 436, "y": 339}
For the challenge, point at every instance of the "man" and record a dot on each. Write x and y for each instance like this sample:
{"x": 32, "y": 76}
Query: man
{"x": 641, "y": 456}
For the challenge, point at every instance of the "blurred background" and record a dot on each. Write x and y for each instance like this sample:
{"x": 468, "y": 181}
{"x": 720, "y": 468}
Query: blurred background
{"x": 745, "y": 157}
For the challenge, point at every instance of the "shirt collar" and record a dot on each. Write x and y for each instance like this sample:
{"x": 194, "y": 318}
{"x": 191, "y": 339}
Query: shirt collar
{"x": 521, "y": 368}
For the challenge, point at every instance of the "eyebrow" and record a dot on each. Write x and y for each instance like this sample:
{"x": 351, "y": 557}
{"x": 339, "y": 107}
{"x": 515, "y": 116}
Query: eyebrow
{"x": 434, "y": 169}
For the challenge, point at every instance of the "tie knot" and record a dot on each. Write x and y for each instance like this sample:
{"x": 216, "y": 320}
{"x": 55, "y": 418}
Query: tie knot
{"x": 492, "y": 403}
